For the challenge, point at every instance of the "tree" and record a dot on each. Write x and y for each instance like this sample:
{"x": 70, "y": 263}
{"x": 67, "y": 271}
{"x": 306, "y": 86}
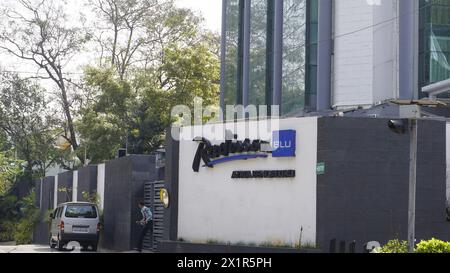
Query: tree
{"x": 191, "y": 72}
{"x": 39, "y": 32}
{"x": 135, "y": 33}
{"x": 10, "y": 168}
{"x": 135, "y": 113}
{"x": 29, "y": 124}
{"x": 128, "y": 114}
{"x": 123, "y": 28}
{"x": 176, "y": 62}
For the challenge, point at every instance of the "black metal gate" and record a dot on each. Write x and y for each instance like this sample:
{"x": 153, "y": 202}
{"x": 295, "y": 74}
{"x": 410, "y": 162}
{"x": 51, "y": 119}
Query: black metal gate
{"x": 152, "y": 200}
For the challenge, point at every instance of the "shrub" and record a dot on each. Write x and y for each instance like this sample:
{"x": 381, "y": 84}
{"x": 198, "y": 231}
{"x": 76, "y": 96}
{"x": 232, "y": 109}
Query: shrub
{"x": 7, "y": 230}
{"x": 93, "y": 197}
{"x": 24, "y": 230}
{"x": 394, "y": 246}
{"x": 47, "y": 218}
{"x": 433, "y": 246}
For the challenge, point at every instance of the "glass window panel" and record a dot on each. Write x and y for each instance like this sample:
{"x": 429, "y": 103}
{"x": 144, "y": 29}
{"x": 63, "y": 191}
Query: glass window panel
{"x": 258, "y": 53}
{"x": 294, "y": 55}
{"x": 233, "y": 58}
{"x": 434, "y": 48}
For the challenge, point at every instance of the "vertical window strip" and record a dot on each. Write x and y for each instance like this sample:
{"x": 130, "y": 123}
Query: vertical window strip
{"x": 241, "y": 48}
{"x": 270, "y": 54}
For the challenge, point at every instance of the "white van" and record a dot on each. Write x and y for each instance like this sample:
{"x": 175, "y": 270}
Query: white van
{"x": 78, "y": 222}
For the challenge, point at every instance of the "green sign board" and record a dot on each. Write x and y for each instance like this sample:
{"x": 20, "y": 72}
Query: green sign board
{"x": 320, "y": 168}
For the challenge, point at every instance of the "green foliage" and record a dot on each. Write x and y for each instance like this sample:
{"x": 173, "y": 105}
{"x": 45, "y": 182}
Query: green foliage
{"x": 91, "y": 197}
{"x": 8, "y": 207}
{"x": 137, "y": 111}
{"x": 47, "y": 219}
{"x": 7, "y": 230}
{"x": 191, "y": 72}
{"x": 24, "y": 230}
{"x": 394, "y": 246}
{"x": 19, "y": 219}
{"x": 28, "y": 124}
{"x": 424, "y": 247}
{"x": 169, "y": 62}
{"x": 67, "y": 191}
{"x": 154, "y": 56}
{"x": 433, "y": 246}
{"x": 30, "y": 216}
{"x": 9, "y": 169}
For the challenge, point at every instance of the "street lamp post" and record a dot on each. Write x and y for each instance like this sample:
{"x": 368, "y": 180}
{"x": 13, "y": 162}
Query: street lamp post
{"x": 402, "y": 127}
{"x": 413, "y": 132}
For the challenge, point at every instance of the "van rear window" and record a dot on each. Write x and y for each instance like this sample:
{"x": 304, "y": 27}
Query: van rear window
{"x": 79, "y": 211}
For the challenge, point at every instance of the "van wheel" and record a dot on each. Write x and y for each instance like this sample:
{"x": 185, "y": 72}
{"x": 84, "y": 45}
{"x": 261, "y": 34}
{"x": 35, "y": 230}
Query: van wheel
{"x": 94, "y": 246}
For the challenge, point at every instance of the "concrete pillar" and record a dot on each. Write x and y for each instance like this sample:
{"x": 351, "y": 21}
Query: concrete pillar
{"x": 324, "y": 56}
{"x": 101, "y": 185}
{"x": 55, "y": 193}
{"x": 408, "y": 43}
{"x": 75, "y": 187}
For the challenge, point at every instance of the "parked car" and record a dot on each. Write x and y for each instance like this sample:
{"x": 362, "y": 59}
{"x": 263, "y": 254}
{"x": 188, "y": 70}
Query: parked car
{"x": 75, "y": 222}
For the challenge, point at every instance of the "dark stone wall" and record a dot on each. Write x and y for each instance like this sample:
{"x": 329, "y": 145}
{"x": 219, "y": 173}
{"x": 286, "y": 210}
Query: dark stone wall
{"x": 65, "y": 180}
{"x": 41, "y": 230}
{"x": 144, "y": 170}
{"x": 48, "y": 194}
{"x": 431, "y": 182}
{"x": 124, "y": 188}
{"x": 171, "y": 185}
{"x": 87, "y": 182}
{"x": 37, "y": 191}
{"x": 363, "y": 196}
{"x": 22, "y": 188}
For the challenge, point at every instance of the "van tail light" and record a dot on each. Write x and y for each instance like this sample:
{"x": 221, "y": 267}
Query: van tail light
{"x": 61, "y": 226}
{"x": 99, "y": 227}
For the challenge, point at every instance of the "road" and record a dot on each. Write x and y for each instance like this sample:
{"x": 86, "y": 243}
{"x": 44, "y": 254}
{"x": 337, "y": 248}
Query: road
{"x": 11, "y": 248}
{"x": 71, "y": 248}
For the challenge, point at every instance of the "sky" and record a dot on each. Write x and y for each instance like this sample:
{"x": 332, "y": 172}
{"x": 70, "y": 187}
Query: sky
{"x": 211, "y": 10}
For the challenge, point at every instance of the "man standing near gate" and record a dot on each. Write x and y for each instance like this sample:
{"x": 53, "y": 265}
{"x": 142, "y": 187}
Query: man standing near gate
{"x": 146, "y": 222}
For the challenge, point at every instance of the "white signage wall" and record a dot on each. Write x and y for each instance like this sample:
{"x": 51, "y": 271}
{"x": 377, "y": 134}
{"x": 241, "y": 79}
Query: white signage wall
{"x": 215, "y": 207}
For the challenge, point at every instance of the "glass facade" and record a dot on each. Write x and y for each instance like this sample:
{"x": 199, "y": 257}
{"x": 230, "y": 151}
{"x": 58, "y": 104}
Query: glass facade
{"x": 434, "y": 49}
{"x": 232, "y": 89}
{"x": 260, "y": 48}
{"x": 299, "y": 56}
{"x": 300, "y": 24}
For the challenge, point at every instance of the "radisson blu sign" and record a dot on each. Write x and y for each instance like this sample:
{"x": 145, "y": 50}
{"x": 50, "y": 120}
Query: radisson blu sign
{"x": 283, "y": 145}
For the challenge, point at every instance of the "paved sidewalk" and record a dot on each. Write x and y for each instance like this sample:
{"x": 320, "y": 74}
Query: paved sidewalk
{"x": 71, "y": 248}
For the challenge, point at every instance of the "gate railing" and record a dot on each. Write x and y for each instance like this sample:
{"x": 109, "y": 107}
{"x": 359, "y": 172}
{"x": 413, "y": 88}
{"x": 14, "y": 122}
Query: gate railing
{"x": 152, "y": 200}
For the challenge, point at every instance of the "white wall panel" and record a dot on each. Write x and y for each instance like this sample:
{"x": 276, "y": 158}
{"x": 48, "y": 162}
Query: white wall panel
{"x": 212, "y": 206}
{"x": 353, "y": 53}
